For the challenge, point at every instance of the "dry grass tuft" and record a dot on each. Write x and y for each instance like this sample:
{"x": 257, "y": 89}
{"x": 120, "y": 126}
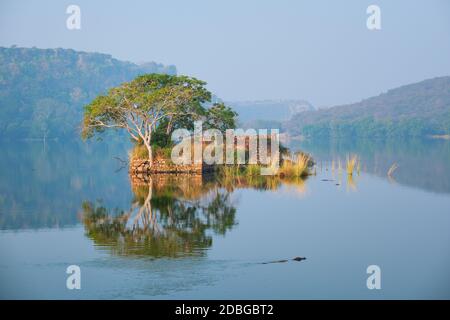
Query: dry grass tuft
{"x": 295, "y": 167}
{"x": 139, "y": 151}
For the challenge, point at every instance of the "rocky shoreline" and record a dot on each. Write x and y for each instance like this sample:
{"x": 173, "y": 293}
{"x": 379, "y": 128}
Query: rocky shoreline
{"x": 141, "y": 167}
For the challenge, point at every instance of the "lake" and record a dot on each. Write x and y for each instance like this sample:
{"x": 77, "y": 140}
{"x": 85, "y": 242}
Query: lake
{"x": 65, "y": 204}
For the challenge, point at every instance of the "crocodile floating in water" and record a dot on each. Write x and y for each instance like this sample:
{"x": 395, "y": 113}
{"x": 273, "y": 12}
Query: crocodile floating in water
{"x": 281, "y": 261}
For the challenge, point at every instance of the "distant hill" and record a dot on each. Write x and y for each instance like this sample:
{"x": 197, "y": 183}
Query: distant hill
{"x": 418, "y": 109}
{"x": 42, "y": 91}
{"x": 268, "y": 113}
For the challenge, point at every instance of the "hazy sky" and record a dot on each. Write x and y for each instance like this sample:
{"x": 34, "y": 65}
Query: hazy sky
{"x": 321, "y": 51}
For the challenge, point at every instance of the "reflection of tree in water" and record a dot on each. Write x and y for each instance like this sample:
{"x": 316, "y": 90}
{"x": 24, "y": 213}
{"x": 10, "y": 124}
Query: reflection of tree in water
{"x": 172, "y": 216}
{"x": 169, "y": 217}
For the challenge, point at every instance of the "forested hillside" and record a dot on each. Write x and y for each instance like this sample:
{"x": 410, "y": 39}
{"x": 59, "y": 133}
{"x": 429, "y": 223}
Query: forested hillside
{"x": 418, "y": 109}
{"x": 43, "y": 91}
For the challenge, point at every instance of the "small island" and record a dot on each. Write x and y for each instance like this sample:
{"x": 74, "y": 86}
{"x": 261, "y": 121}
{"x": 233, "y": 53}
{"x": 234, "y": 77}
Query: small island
{"x": 154, "y": 108}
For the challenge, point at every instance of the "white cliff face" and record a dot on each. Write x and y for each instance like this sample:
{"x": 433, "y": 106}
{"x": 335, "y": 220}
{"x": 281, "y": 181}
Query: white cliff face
{"x": 300, "y": 106}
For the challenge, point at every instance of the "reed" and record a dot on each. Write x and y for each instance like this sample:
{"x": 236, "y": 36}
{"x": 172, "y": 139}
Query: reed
{"x": 252, "y": 170}
{"x": 392, "y": 169}
{"x": 228, "y": 171}
{"x": 352, "y": 162}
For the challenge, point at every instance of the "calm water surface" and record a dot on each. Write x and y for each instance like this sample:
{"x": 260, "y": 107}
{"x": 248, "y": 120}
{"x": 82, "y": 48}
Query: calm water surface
{"x": 64, "y": 204}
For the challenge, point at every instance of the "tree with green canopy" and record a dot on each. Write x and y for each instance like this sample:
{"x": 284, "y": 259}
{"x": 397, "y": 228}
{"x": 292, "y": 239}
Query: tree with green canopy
{"x": 151, "y": 106}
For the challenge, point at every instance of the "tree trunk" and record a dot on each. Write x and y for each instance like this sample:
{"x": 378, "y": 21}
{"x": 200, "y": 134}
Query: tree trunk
{"x": 168, "y": 130}
{"x": 150, "y": 154}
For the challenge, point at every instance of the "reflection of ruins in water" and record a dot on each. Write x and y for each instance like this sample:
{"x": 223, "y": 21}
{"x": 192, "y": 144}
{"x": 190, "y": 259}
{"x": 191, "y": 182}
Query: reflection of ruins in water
{"x": 171, "y": 215}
